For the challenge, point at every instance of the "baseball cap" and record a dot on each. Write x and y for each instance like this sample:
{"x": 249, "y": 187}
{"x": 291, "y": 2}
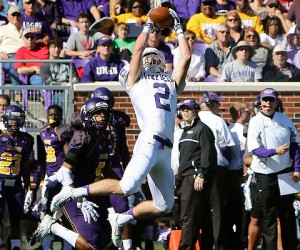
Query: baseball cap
{"x": 279, "y": 48}
{"x": 189, "y": 103}
{"x": 212, "y": 97}
{"x": 14, "y": 9}
{"x": 268, "y": 92}
{"x": 29, "y": 1}
{"x": 28, "y": 30}
{"x": 103, "y": 40}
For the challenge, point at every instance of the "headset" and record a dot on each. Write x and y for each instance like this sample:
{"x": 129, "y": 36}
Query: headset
{"x": 178, "y": 114}
{"x": 207, "y": 99}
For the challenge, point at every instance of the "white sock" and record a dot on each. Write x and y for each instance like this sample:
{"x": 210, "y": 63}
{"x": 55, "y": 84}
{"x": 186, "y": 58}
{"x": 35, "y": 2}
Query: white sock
{"x": 124, "y": 218}
{"x": 127, "y": 244}
{"x": 47, "y": 242}
{"x": 64, "y": 233}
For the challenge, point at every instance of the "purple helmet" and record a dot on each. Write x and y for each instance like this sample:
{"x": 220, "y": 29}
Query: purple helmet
{"x": 91, "y": 107}
{"x": 13, "y": 113}
{"x": 105, "y": 94}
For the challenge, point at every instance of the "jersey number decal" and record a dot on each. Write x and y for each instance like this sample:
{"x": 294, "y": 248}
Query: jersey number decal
{"x": 50, "y": 152}
{"x": 160, "y": 96}
{"x": 7, "y": 167}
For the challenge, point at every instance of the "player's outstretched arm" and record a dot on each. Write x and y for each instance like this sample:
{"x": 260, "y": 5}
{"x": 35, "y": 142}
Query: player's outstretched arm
{"x": 181, "y": 69}
{"x": 136, "y": 65}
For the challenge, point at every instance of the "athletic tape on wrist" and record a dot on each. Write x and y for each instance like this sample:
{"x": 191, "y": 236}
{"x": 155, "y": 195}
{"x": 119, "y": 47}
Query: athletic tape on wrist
{"x": 146, "y": 29}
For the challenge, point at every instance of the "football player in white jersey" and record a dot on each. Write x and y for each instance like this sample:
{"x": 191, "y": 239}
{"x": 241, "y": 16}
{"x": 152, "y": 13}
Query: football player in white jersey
{"x": 154, "y": 96}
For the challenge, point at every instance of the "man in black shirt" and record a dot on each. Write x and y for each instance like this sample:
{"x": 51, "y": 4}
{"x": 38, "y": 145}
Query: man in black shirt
{"x": 197, "y": 161}
{"x": 280, "y": 70}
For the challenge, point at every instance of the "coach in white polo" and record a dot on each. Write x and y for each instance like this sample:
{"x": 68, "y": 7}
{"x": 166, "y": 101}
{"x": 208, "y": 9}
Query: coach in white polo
{"x": 209, "y": 114}
{"x": 273, "y": 140}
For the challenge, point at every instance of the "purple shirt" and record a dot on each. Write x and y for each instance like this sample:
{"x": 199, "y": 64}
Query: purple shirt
{"x": 98, "y": 69}
{"x": 88, "y": 154}
{"x": 165, "y": 49}
{"x": 222, "y": 9}
{"x": 38, "y": 23}
{"x": 50, "y": 11}
{"x": 293, "y": 55}
{"x": 70, "y": 9}
{"x": 186, "y": 9}
{"x": 54, "y": 141}
{"x": 13, "y": 152}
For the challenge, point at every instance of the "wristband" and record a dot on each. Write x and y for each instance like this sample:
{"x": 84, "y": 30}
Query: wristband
{"x": 180, "y": 35}
{"x": 147, "y": 30}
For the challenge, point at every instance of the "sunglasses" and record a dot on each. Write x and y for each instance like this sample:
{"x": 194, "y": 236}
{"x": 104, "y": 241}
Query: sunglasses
{"x": 243, "y": 49}
{"x": 223, "y": 32}
{"x": 268, "y": 99}
{"x": 156, "y": 31}
{"x": 207, "y": 3}
{"x": 232, "y": 20}
{"x": 193, "y": 38}
{"x": 16, "y": 14}
{"x": 30, "y": 36}
{"x": 273, "y": 5}
{"x": 30, "y": 2}
{"x": 249, "y": 36}
{"x": 137, "y": 7}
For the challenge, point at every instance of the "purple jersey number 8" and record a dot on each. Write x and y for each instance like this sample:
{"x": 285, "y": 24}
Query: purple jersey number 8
{"x": 159, "y": 96}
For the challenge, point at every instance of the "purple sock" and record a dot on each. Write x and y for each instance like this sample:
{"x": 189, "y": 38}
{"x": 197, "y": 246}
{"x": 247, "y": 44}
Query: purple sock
{"x": 129, "y": 212}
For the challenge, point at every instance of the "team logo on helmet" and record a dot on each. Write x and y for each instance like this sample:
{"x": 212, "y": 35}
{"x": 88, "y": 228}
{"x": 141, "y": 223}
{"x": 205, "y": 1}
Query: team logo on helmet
{"x": 153, "y": 60}
{"x": 13, "y": 118}
{"x": 90, "y": 108}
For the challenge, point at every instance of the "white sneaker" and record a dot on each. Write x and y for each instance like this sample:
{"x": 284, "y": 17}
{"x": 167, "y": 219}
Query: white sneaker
{"x": 116, "y": 230}
{"x": 43, "y": 229}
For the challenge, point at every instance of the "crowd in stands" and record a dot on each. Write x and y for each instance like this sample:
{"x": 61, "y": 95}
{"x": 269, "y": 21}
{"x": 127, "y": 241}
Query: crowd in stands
{"x": 213, "y": 27}
{"x": 230, "y": 41}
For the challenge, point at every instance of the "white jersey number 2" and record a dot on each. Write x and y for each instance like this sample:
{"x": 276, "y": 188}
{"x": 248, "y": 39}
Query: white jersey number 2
{"x": 159, "y": 97}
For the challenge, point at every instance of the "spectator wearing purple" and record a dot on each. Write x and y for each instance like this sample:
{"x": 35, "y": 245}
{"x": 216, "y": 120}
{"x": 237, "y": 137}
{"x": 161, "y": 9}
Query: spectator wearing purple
{"x": 104, "y": 66}
{"x": 224, "y": 6}
{"x": 71, "y": 8}
{"x": 103, "y": 7}
{"x": 186, "y": 9}
{"x": 50, "y": 10}
{"x": 36, "y": 21}
{"x": 155, "y": 41}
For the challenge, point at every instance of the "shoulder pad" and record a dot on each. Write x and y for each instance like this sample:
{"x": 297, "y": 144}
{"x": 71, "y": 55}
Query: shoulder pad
{"x": 80, "y": 137}
{"x": 65, "y": 131}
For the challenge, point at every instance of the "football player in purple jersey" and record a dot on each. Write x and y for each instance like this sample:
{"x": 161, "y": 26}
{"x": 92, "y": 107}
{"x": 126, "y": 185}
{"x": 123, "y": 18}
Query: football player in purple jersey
{"x": 119, "y": 157}
{"x": 55, "y": 138}
{"x": 87, "y": 161}
{"x": 15, "y": 151}
{"x": 153, "y": 94}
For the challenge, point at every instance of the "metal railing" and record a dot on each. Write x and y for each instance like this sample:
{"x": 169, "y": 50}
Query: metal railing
{"x": 69, "y": 61}
{"x": 36, "y": 99}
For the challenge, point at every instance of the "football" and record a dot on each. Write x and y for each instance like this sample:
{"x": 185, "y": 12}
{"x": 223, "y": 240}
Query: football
{"x": 161, "y": 17}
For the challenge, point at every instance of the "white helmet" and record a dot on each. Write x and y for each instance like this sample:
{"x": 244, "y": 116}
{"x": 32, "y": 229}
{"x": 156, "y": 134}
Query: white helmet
{"x": 154, "y": 60}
